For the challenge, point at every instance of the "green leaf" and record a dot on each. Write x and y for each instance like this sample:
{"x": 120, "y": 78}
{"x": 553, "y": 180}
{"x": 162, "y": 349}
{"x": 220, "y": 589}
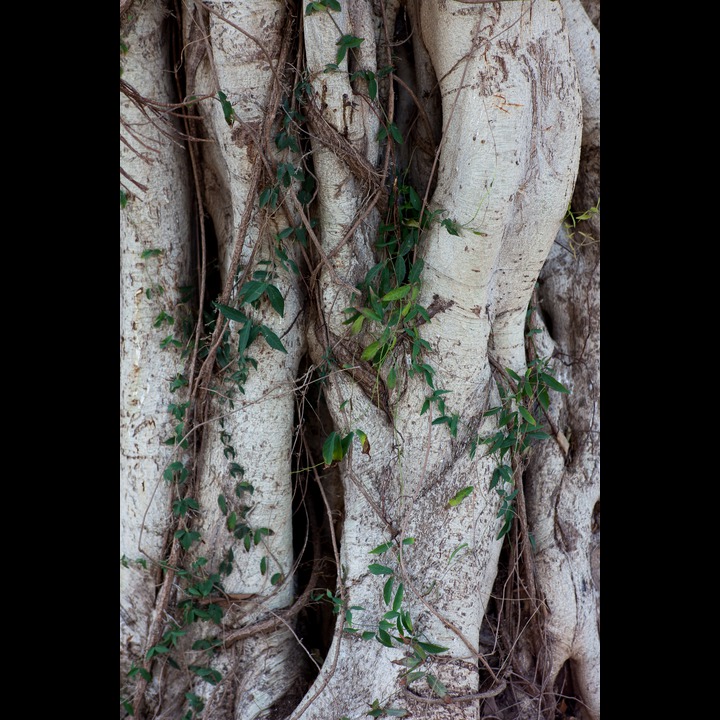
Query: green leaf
{"x": 232, "y": 521}
{"x": 392, "y": 378}
{"x": 186, "y": 538}
{"x": 272, "y": 339}
{"x": 380, "y": 549}
{"x": 265, "y": 196}
{"x": 206, "y": 673}
{"x": 332, "y": 448}
{"x": 396, "y": 134}
{"x": 397, "y": 293}
{"x": 276, "y": 299}
{"x": 196, "y": 703}
{"x": 451, "y": 226}
{"x": 553, "y": 384}
{"x": 506, "y": 472}
{"x": 398, "y": 597}
{"x": 533, "y": 544}
{"x": 400, "y": 269}
{"x": 513, "y": 375}
{"x": 222, "y": 504}
{"x": 384, "y": 638}
{"x": 544, "y": 399}
{"x": 456, "y": 551}
{"x": 230, "y": 313}
{"x": 371, "y": 351}
{"x": 506, "y": 527}
{"x": 345, "y": 43}
{"x": 172, "y": 470}
{"x": 263, "y": 565}
{"x": 377, "y": 569}
{"x": 200, "y": 562}
{"x": 227, "y": 108}
{"x": 276, "y": 578}
{"x": 243, "y": 487}
{"x": 460, "y": 496}
{"x": 527, "y": 389}
{"x": 252, "y": 290}
{"x": 364, "y": 442}
{"x": 506, "y": 418}
{"x": 415, "y": 675}
{"x": 260, "y": 533}
{"x": 141, "y": 671}
{"x": 346, "y": 442}
{"x": 528, "y": 417}
{"x": 314, "y": 7}
{"x": 416, "y": 270}
{"x": 387, "y": 590}
{"x": 156, "y": 650}
{"x": 431, "y": 648}
{"x": 537, "y": 435}
{"x": 370, "y": 314}
{"x": 372, "y": 85}
{"x": 435, "y": 685}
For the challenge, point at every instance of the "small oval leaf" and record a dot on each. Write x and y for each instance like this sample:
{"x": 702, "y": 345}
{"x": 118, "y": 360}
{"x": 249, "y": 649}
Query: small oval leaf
{"x": 387, "y": 590}
{"x": 398, "y": 597}
{"x": 377, "y": 569}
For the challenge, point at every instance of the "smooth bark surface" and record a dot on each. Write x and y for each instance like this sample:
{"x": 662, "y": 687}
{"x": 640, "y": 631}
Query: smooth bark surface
{"x": 159, "y": 226}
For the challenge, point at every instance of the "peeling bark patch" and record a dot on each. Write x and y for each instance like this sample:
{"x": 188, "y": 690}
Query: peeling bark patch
{"x": 246, "y": 135}
{"x": 439, "y": 305}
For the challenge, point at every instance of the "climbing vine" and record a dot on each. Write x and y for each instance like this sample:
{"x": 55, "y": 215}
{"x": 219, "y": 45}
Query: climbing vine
{"x": 214, "y": 340}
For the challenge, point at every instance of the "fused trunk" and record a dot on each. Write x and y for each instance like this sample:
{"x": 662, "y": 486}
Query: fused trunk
{"x": 154, "y": 264}
{"x": 511, "y": 137}
{"x": 353, "y": 201}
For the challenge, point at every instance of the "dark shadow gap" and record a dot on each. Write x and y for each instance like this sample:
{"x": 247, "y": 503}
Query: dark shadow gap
{"x": 567, "y": 706}
{"x": 312, "y": 534}
{"x": 418, "y": 105}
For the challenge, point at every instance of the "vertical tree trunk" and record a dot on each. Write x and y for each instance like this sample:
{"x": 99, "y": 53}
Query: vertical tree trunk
{"x": 511, "y": 115}
{"x": 563, "y": 477}
{"x": 207, "y": 434}
{"x": 239, "y": 49}
{"x": 155, "y": 235}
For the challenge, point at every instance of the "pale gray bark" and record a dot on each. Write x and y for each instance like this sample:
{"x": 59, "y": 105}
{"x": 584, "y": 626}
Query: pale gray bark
{"x": 509, "y": 76}
{"x": 156, "y": 219}
{"x": 564, "y": 483}
{"x": 495, "y": 92}
{"x": 257, "y": 422}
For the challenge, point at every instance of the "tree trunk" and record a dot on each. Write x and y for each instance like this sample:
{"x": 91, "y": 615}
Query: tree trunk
{"x": 393, "y": 226}
{"x": 155, "y": 254}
